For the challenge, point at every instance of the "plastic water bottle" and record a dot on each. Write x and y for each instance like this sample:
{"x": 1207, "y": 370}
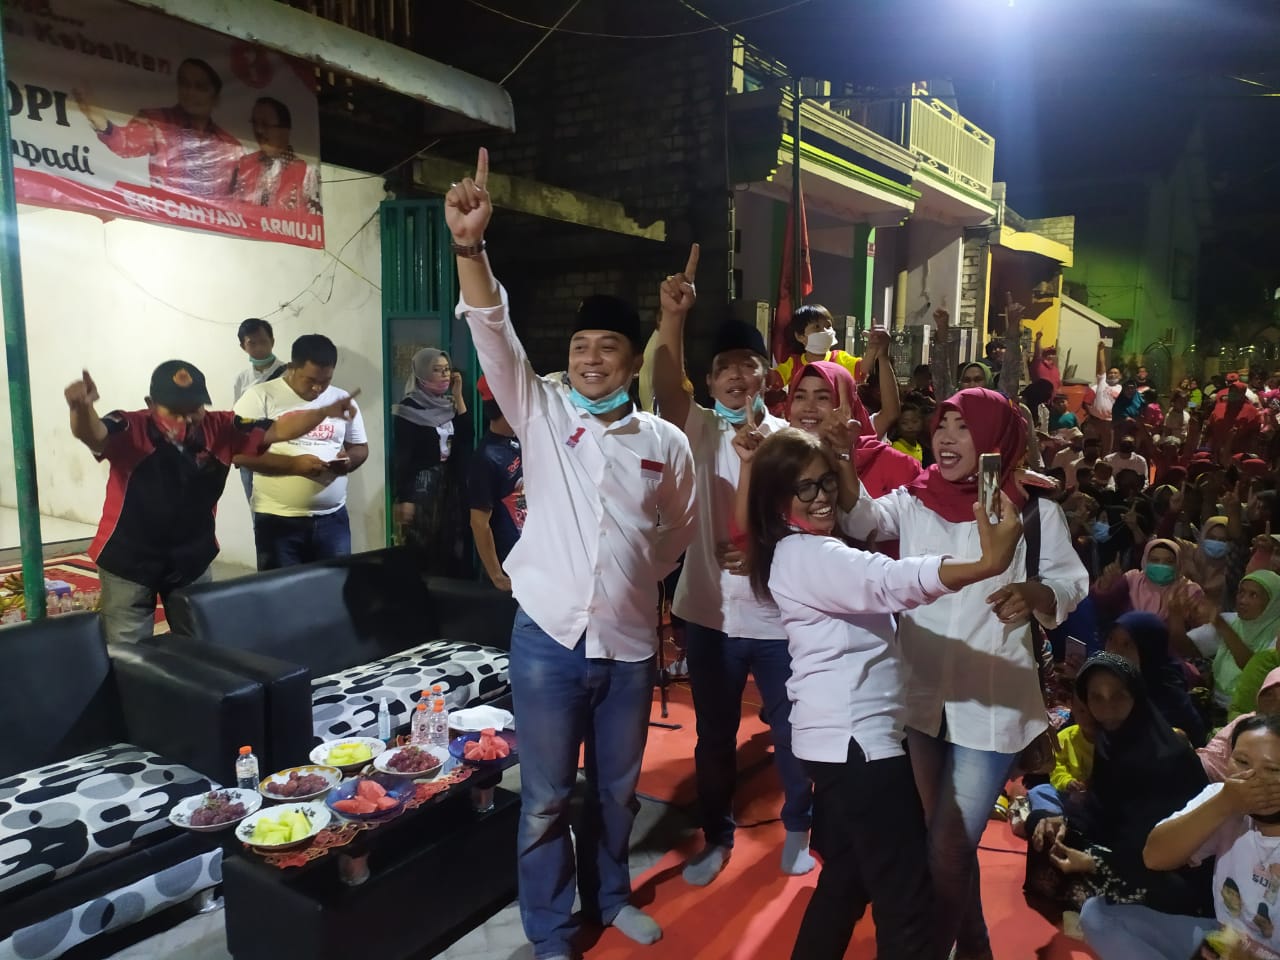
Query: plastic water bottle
{"x": 247, "y": 769}
{"x": 439, "y": 724}
{"x": 419, "y": 726}
{"x": 384, "y": 721}
{"x": 437, "y": 691}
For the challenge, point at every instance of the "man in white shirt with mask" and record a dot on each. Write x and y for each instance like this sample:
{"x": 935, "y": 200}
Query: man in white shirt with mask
{"x": 1105, "y": 391}
{"x": 610, "y": 496}
{"x": 258, "y": 341}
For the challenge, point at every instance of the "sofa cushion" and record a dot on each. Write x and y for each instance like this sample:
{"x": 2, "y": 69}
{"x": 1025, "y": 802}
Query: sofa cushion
{"x": 346, "y": 703}
{"x": 67, "y": 816}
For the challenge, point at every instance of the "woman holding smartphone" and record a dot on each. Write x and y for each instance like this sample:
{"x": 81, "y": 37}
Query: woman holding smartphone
{"x": 974, "y": 701}
{"x": 847, "y": 684}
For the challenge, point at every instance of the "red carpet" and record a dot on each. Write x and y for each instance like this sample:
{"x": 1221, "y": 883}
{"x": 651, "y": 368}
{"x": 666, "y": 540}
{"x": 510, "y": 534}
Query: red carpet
{"x": 751, "y": 911}
{"x": 82, "y": 574}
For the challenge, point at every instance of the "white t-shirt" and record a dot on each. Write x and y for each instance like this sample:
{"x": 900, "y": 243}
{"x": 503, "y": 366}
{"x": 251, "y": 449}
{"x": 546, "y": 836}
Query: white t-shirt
{"x": 301, "y": 496}
{"x": 1251, "y": 862}
{"x": 1134, "y": 461}
{"x": 248, "y": 377}
{"x": 1104, "y": 398}
{"x": 707, "y": 595}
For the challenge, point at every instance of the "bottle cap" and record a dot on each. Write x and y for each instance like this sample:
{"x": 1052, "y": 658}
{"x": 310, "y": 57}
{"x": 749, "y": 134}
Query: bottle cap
{"x": 425, "y": 693}
{"x": 422, "y": 705}
{"x": 439, "y": 707}
{"x": 244, "y": 750}
{"x": 438, "y": 688}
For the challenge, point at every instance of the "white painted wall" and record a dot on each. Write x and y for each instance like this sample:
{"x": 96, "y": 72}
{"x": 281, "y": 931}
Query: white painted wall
{"x": 934, "y": 255}
{"x": 121, "y": 297}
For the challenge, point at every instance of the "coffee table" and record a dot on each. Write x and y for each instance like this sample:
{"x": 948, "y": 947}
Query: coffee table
{"x": 433, "y": 872}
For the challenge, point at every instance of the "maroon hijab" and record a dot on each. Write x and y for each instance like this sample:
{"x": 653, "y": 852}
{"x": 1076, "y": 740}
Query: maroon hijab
{"x": 996, "y": 427}
{"x": 834, "y": 376}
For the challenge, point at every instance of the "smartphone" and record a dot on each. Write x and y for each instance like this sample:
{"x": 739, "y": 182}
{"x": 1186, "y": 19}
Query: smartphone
{"x": 1077, "y": 651}
{"x": 989, "y": 484}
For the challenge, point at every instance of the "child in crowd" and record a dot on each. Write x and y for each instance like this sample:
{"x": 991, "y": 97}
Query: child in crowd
{"x": 909, "y": 433}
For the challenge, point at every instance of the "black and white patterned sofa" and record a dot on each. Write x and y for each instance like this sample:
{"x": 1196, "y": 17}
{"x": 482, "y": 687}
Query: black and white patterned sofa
{"x": 97, "y": 750}
{"x": 328, "y": 640}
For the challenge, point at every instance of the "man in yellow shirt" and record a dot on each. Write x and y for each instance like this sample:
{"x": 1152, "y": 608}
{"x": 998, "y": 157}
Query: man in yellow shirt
{"x": 812, "y": 328}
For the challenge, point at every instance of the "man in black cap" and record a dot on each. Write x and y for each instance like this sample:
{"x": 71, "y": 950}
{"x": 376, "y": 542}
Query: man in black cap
{"x": 609, "y": 495}
{"x": 730, "y": 632}
{"x": 169, "y": 464}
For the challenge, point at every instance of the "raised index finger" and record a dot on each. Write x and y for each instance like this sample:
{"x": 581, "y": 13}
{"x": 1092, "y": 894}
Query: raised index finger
{"x": 482, "y": 167}
{"x": 691, "y": 268}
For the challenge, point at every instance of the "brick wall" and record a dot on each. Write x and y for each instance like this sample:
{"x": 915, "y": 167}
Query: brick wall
{"x": 1060, "y": 229}
{"x": 973, "y": 281}
{"x": 641, "y": 122}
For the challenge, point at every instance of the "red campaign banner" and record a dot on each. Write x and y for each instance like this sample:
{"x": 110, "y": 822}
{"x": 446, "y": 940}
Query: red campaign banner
{"x": 122, "y": 112}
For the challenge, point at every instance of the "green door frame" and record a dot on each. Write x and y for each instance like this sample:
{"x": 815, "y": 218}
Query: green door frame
{"x": 419, "y": 290}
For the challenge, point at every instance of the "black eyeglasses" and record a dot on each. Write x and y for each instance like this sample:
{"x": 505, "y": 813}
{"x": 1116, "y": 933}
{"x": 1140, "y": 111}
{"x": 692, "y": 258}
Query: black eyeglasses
{"x": 807, "y": 490}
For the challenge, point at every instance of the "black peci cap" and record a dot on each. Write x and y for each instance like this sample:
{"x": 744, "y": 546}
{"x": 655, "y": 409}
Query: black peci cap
{"x": 736, "y": 335}
{"x": 603, "y": 312}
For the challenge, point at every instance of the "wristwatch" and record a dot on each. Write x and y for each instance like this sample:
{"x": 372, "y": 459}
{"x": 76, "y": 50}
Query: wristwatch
{"x": 470, "y": 251}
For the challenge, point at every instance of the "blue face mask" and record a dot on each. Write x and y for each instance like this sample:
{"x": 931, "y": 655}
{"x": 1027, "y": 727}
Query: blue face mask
{"x": 1101, "y": 531}
{"x": 1215, "y": 549}
{"x": 739, "y": 417}
{"x": 1161, "y": 574}
{"x": 608, "y": 404}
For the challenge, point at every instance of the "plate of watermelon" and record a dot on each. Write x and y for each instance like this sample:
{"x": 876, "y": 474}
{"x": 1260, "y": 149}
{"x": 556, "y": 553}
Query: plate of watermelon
{"x": 368, "y": 798}
{"x": 485, "y": 748}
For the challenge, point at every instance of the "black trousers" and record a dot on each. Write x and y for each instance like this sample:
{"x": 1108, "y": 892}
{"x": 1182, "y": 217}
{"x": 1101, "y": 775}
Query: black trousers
{"x": 868, "y": 827}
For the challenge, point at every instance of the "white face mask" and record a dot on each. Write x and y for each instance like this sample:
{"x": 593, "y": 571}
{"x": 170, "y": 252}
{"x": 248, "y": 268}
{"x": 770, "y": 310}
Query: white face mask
{"x": 820, "y": 341}
{"x": 1113, "y": 381}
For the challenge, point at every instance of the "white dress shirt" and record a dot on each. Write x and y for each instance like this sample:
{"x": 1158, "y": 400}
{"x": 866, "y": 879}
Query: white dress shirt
{"x": 847, "y": 675}
{"x": 610, "y": 505}
{"x": 966, "y": 666}
{"x": 707, "y": 595}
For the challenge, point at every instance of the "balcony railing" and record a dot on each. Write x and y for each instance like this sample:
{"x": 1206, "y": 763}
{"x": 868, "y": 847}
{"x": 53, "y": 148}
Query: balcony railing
{"x": 952, "y": 146}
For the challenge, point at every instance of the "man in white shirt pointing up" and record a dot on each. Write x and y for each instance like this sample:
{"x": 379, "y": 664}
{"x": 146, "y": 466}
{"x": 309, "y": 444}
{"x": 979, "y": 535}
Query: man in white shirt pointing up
{"x": 610, "y": 498}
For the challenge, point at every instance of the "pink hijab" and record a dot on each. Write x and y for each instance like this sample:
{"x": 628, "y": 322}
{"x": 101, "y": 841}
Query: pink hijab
{"x": 1153, "y": 598}
{"x": 996, "y": 427}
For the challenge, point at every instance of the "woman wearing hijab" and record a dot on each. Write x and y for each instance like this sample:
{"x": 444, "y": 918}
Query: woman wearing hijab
{"x": 1142, "y": 773}
{"x": 1151, "y": 588}
{"x": 433, "y": 440}
{"x": 1232, "y": 639}
{"x": 974, "y": 701}
{"x": 1143, "y": 640}
{"x": 816, "y": 393}
{"x": 1215, "y": 756}
{"x": 1205, "y": 561}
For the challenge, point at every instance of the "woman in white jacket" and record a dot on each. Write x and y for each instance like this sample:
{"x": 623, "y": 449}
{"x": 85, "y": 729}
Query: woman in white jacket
{"x": 847, "y": 688}
{"x": 974, "y": 699}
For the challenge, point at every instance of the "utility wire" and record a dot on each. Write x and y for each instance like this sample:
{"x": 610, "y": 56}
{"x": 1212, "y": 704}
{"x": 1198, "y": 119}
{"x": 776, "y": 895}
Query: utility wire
{"x": 510, "y": 73}
{"x": 643, "y": 36}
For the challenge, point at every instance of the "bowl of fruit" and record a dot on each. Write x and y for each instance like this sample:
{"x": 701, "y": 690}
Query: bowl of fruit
{"x": 486, "y": 748}
{"x": 413, "y": 760}
{"x": 349, "y": 755}
{"x": 367, "y": 798}
{"x": 285, "y": 826}
{"x": 215, "y": 810}
{"x": 300, "y": 783}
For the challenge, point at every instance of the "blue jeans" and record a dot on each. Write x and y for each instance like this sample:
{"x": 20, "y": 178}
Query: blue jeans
{"x": 1129, "y": 931}
{"x": 958, "y": 788}
{"x": 718, "y": 667}
{"x": 288, "y": 541}
{"x": 563, "y": 699}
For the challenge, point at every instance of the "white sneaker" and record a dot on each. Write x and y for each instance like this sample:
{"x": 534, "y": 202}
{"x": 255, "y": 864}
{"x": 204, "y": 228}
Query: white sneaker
{"x": 678, "y": 668}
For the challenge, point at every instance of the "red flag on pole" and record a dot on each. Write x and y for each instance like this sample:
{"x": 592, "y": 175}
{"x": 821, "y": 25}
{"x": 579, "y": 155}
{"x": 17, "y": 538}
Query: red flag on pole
{"x": 782, "y": 344}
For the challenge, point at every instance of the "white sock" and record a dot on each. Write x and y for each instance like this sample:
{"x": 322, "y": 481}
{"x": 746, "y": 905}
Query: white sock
{"x": 706, "y": 866}
{"x": 795, "y": 853}
{"x": 637, "y": 925}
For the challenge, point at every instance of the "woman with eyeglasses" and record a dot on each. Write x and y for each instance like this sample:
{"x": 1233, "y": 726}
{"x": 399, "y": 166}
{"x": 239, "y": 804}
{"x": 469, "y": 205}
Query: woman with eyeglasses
{"x": 975, "y": 701}
{"x": 847, "y": 684}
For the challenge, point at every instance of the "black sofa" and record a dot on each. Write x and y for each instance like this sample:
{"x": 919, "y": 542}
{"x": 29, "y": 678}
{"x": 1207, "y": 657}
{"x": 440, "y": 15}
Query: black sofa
{"x": 98, "y": 749}
{"x": 327, "y": 640}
